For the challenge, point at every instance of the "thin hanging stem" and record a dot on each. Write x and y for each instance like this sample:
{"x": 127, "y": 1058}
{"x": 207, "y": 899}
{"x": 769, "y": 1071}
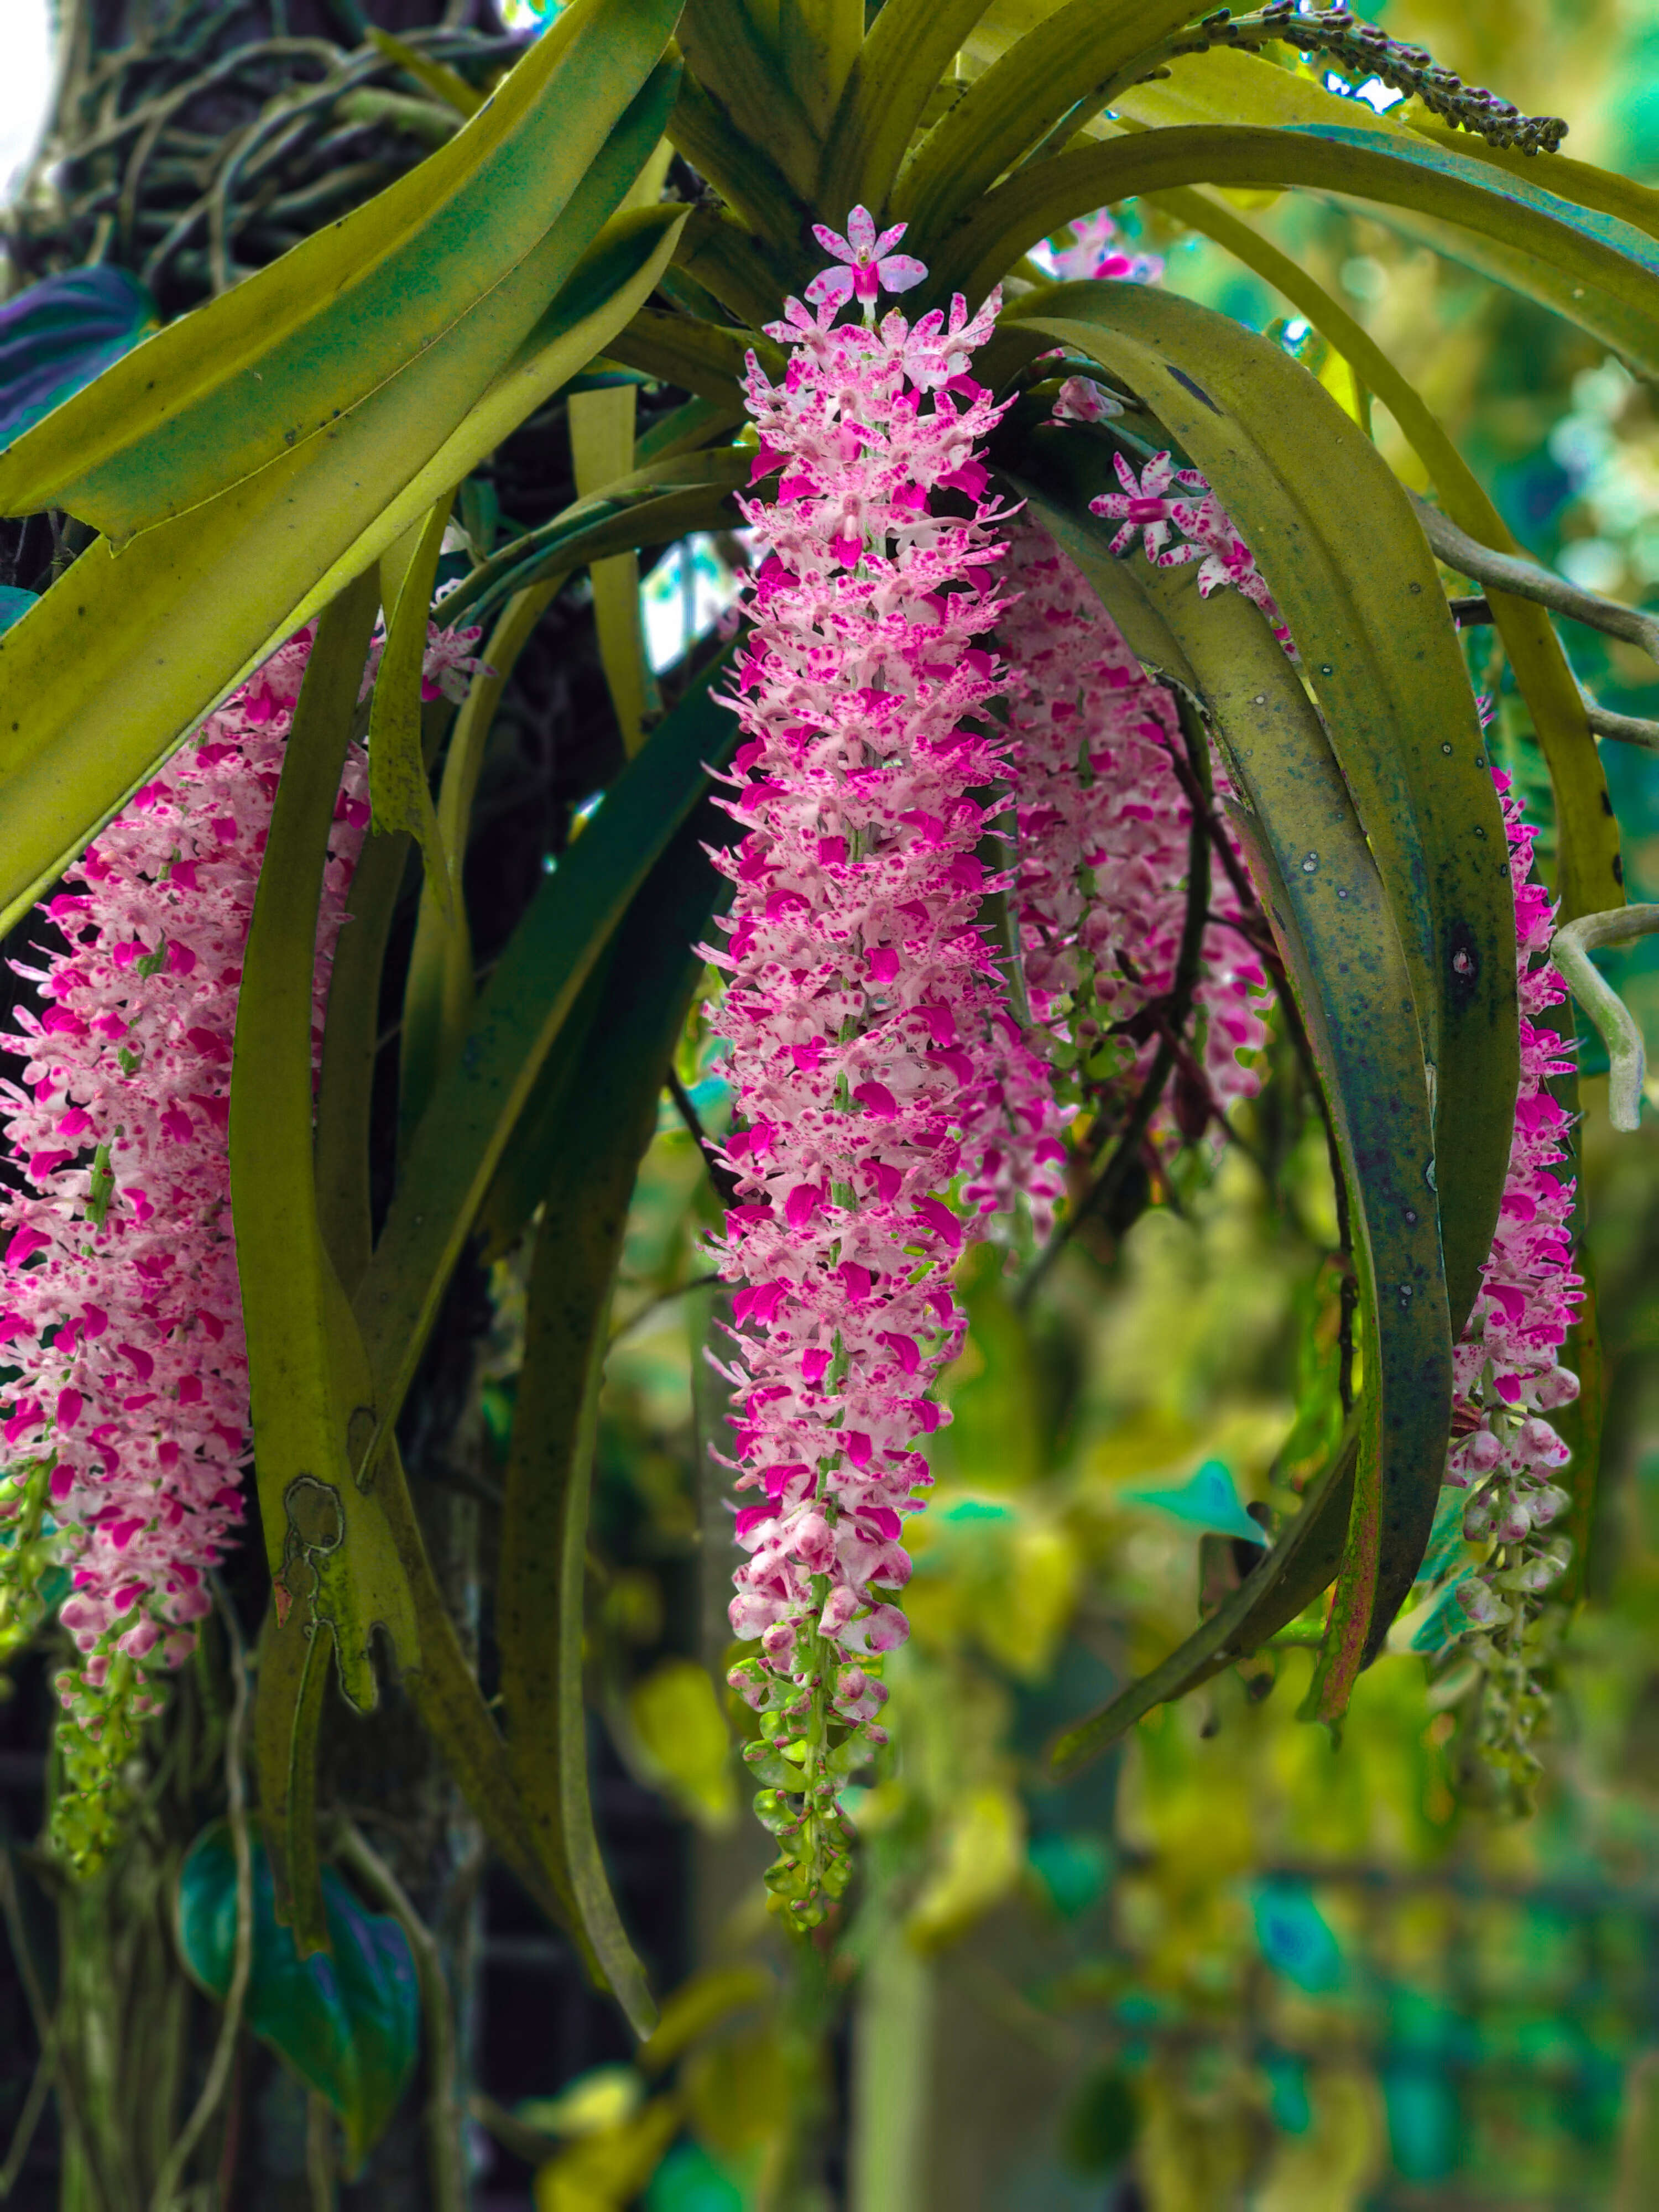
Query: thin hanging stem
{"x": 1101, "y": 1194}
{"x": 224, "y": 2052}
{"x": 446, "y": 2149}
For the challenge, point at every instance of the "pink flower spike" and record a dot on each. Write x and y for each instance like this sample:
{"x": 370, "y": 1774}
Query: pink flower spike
{"x": 121, "y": 1297}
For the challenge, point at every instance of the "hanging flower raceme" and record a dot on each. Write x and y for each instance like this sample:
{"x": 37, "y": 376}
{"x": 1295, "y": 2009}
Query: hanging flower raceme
{"x": 872, "y": 1047}
{"x": 1105, "y": 847}
{"x": 126, "y": 1426}
{"x": 1508, "y": 1366}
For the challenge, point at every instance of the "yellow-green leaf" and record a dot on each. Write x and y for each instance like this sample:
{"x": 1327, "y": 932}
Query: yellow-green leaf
{"x": 910, "y": 46}
{"x": 1589, "y": 877}
{"x": 275, "y": 361}
{"x": 439, "y": 80}
{"x": 1073, "y": 55}
{"x": 399, "y": 793}
{"x": 1590, "y": 266}
{"x": 438, "y": 995}
{"x": 602, "y": 451}
{"x": 1336, "y": 538}
{"x": 106, "y": 672}
{"x": 326, "y": 1544}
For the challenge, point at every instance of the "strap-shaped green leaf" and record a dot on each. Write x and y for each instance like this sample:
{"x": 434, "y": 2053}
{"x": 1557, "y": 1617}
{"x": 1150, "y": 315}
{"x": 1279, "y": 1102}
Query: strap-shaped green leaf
{"x": 103, "y": 676}
{"x": 520, "y": 1014}
{"x": 907, "y": 51}
{"x": 1302, "y": 1562}
{"x": 294, "y": 1667}
{"x": 1580, "y": 250}
{"x": 1589, "y": 874}
{"x": 1328, "y": 903}
{"x": 1230, "y": 86}
{"x": 334, "y": 1572}
{"x": 557, "y": 1866}
{"x": 1073, "y": 55}
{"x": 746, "y": 179}
{"x": 351, "y": 1042}
{"x": 399, "y": 791}
{"x": 818, "y": 41}
{"x": 271, "y": 363}
{"x": 702, "y": 357}
{"x": 601, "y": 452}
{"x": 644, "y": 512}
{"x": 325, "y": 1540}
{"x": 609, "y": 1119}
{"x": 617, "y": 273}
{"x": 439, "y": 994}
{"x": 1346, "y": 963}
{"x": 1337, "y": 541}
{"x": 742, "y": 74}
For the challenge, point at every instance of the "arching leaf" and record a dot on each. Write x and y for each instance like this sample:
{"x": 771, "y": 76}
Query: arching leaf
{"x": 1589, "y": 874}
{"x": 1348, "y": 564}
{"x": 520, "y": 1015}
{"x": 279, "y": 358}
{"x": 1345, "y": 962}
{"x": 1590, "y": 266}
{"x": 607, "y": 1118}
{"x": 195, "y": 603}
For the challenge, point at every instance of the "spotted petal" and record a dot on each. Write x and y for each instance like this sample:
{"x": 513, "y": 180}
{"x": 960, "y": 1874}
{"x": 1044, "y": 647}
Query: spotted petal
{"x": 899, "y": 271}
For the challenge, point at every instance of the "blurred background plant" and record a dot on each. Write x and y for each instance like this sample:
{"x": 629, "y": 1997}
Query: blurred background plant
{"x": 1233, "y": 1963}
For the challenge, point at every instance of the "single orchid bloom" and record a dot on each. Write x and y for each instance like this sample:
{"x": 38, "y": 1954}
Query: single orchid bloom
{"x": 871, "y": 264}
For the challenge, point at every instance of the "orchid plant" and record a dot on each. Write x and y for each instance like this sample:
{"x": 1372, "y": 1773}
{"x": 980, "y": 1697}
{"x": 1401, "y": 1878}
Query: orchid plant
{"x": 1098, "y": 715}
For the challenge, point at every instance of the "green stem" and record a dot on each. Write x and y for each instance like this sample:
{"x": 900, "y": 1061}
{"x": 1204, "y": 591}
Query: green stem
{"x": 447, "y": 2148}
{"x": 1570, "y": 950}
{"x": 224, "y": 2052}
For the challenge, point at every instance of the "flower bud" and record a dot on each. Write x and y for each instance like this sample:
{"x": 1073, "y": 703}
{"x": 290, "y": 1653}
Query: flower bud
{"x": 1549, "y": 1503}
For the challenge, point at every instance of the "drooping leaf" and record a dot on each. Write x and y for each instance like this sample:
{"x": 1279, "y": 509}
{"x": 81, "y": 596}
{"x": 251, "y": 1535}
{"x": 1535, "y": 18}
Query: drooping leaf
{"x": 329, "y": 1551}
{"x": 521, "y": 1012}
{"x": 58, "y": 335}
{"x": 195, "y": 603}
{"x": 623, "y": 516}
{"x": 1593, "y": 269}
{"x": 439, "y": 993}
{"x": 608, "y": 1118}
{"x": 1345, "y": 960}
{"x": 1302, "y": 1562}
{"x": 1347, "y": 562}
{"x": 399, "y": 791}
{"x": 279, "y": 358}
{"x": 1589, "y": 873}
{"x": 1230, "y": 86}
{"x": 602, "y": 451}
{"x": 1070, "y": 57}
{"x": 347, "y": 2021}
